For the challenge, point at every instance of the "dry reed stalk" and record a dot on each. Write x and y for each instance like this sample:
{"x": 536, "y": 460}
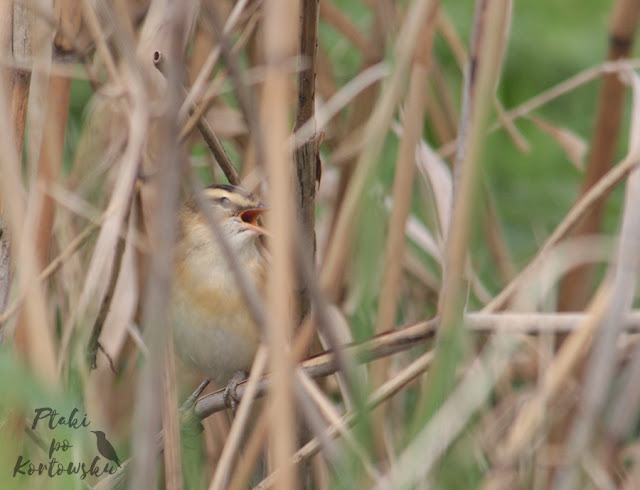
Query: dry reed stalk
{"x": 51, "y": 158}
{"x": 402, "y": 194}
{"x": 44, "y": 155}
{"x": 34, "y": 339}
{"x": 395, "y": 341}
{"x": 455, "y": 43}
{"x": 103, "y": 256}
{"x": 421, "y": 455}
{"x": 162, "y": 206}
{"x": 332, "y": 417}
{"x": 306, "y": 156}
{"x": 5, "y": 275}
{"x": 403, "y": 338}
{"x": 223, "y": 472}
{"x": 576, "y": 286}
{"x": 600, "y": 369}
{"x": 254, "y": 448}
{"x": 20, "y": 79}
{"x": 383, "y": 393}
{"x": 14, "y": 39}
{"x": 170, "y": 424}
{"x": 199, "y": 85}
{"x": 376, "y": 128}
{"x": 53, "y": 266}
{"x": 280, "y": 35}
{"x": 326, "y": 112}
{"x": 98, "y": 35}
{"x": 242, "y": 90}
{"x": 326, "y": 363}
{"x": 528, "y": 423}
{"x": 484, "y": 65}
{"x": 208, "y": 135}
{"x": 203, "y": 44}
{"x": 360, "y": 113}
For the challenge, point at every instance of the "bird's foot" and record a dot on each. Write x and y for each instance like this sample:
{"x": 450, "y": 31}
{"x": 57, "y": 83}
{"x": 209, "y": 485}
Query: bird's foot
{"x": 231, "y": 398}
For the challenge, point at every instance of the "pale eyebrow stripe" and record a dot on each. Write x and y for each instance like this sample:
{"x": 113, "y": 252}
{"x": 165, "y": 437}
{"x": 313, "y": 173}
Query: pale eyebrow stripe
{"x": 237, "y": 199}
{"x": 217, "y": 193}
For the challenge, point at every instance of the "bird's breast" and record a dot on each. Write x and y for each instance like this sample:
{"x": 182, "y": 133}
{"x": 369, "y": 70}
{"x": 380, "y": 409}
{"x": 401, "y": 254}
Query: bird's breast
{"x": 212, "y": 326}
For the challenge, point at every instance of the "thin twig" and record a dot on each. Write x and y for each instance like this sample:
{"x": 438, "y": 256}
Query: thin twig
{"x": 409, "y": 336}
{"x": 243, "y": 94}
{"x": 206, "y": 131}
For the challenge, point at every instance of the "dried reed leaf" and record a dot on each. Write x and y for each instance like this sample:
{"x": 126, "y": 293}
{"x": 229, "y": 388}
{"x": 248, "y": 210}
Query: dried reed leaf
{"x": 438, "y": 175}
{"x": 575, "y": 147}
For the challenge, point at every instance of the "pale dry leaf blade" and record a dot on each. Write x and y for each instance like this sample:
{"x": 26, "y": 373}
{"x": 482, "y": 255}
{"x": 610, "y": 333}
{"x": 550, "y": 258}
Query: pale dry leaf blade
{"x": 437, "y": 175}
{"x": 574, "y": 146}
{"x": 436, "y": 172}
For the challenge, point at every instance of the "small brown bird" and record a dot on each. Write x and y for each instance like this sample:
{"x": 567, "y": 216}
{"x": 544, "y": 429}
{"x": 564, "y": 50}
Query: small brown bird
{"x": 212, "y": 327}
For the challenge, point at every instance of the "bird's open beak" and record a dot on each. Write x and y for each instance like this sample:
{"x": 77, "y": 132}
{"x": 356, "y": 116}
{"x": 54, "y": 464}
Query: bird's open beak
{"x": 250, "y": 218}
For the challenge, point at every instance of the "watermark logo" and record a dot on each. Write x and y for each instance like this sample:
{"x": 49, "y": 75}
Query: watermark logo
{"x": 57, "y": 465}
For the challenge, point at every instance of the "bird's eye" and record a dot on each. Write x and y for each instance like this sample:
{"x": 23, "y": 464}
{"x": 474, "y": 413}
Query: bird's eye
{"x": 224, "y": 202}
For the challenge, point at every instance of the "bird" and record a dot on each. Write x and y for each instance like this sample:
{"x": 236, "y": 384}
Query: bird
{"x": 105, "y": 448}
{"x": 213, "y": 329}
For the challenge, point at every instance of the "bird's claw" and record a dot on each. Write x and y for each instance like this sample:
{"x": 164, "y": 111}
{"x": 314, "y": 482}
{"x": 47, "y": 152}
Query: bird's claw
{"x": 231, "y": 398}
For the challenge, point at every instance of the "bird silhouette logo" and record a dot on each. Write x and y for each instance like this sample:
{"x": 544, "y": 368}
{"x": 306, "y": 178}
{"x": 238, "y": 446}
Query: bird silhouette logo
{"x": 105, "y": 448}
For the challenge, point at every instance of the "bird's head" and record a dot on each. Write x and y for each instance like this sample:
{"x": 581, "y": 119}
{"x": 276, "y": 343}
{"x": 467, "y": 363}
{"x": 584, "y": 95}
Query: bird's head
{"x": 237, "y": 210}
